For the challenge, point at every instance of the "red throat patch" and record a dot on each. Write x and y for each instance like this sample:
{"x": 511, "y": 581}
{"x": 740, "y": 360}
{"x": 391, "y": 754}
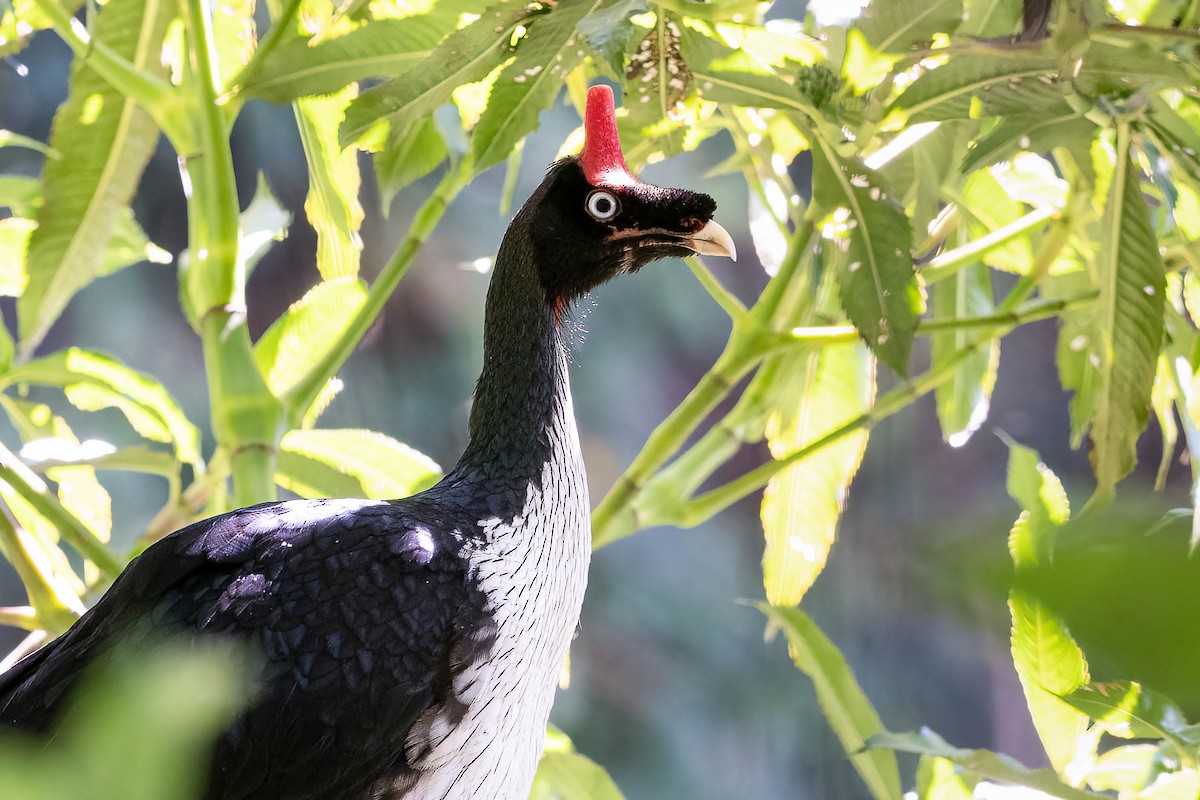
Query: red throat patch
{"x": 601, "y": 158}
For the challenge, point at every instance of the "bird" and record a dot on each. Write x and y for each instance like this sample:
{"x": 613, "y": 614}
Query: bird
{"x": 411, "y": 649}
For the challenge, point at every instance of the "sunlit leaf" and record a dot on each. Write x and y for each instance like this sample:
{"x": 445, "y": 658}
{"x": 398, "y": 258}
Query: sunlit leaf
{"x": 333, "y": 180}
{"x": 105, "y": 140}
{"x": 1129, "y": 317}
{"x": 985, "y": 207}
{"x": 14, "y": 238}
{"x": 94, "y": 380}
{"x": 939, "y": 779}
{"x": 879, "y": 289}
{"x": 824, "y": 389}
{"x": 407, "y": 156}
{"x": 842, "y": 700}
{"x": 893, "y": 26}
{"x": 385, "y": 48}
{"x": 987, "y": 19}
{"x": 78, "y": 489}
{"x": 571, "y": 776}
{"x": 263, "y": 223}
{"x": 466, "y": 56}
{"x": 984, "y": 763}
{"x": 1033, "y": 133}
{"x": 1048, "y": 661}
{"x": 656, "y": 85}
{"x": 1130, "y": 711}
{"x": 528, "y": 85}
{"x": 962, "y": 403}
{"x": 973, "y": 85}
{"x": 233, "y": 35}
{"x": 1122, "y": 769}
{"x": 352, "y": 463}
{"x": 20, "y": 194}
{"x": 304, "y": 333}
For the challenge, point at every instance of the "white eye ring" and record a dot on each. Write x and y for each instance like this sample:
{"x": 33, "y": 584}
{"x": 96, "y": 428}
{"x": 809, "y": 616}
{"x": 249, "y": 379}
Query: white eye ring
{"x": 602, "y": 205}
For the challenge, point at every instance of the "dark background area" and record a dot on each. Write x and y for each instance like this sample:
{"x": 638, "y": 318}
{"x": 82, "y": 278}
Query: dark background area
{"x": 672, "y": 687}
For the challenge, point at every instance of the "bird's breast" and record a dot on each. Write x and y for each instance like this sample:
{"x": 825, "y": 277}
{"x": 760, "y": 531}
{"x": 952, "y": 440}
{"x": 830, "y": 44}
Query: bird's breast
{"x": 532, "y": 569}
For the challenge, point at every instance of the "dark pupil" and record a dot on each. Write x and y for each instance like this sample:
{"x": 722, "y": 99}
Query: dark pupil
{"x": 603, "y": 205}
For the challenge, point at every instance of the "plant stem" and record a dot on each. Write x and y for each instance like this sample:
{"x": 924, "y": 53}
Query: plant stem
{"x": 304, "y": 392}
{"x": 246, "y": 419}
{"x": 724, "y": 298}
{"x": 950, "y": 262}
{"x": 1032, "y": 312}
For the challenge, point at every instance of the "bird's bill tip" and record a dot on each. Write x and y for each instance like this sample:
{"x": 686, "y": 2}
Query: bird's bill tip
{"x": 713, "y": 240}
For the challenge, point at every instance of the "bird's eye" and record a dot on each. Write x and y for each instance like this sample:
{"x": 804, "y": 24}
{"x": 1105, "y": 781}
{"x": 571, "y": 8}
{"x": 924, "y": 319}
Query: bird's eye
{"x": 602, "y": 205}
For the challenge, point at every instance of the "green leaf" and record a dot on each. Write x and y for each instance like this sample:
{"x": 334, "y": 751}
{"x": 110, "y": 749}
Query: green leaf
{"x": 984, "y": 763}
{"x": 846, "y": 708}
{"x": 333, "y": 181}
{"x": 1044, "y": 507}
{"x": 895, "y": 26}
{"x": 656, "y": 88}
{"x": 352, "y": 463}
{"x": 1032, "y": 133}
{"x": 528, "y": 85}
{"x": 735, "y": 77}
{"x": 1122, "y": 769}
{"x": 263, "y": 223}
{"x": 990, "y": 19}
{"x": 233, "y": 35}
{"x": 141, "y": 725}
{"x": 986, "y": 207}
{"x": 384, "y": 48}
{"x": 303, "y": 334}
{"x": 105, "y": 140}
{"x": 14, "y": 239}
{"x": 939, "y": 779}
{"x": 570, "y": 776}
{"x": 1129, "y": 326}
{"x": 466, "y": 56}
{"x": 20, "y": 194}
{"x": 1129, "y": 710}
{"x": 962, "y": 403}
{"x": 878, "y": 287}
{"x": 1177, "y": 786}
{"x": 800, "y": 508}
{"x": 407, "y": 156}
{"x": 94, "y": 380}
{"x": 1049, "y": 663}
{"x": 608, "y": 31}
{"x": 78, "y": 489}
{"x": 971, "y": 85}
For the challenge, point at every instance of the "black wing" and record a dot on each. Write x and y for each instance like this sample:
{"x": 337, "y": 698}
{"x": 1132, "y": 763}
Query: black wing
{"x": 362, "y": 611}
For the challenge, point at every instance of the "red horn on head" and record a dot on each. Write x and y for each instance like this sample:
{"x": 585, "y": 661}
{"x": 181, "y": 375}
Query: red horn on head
{"x": 602, "y": 159}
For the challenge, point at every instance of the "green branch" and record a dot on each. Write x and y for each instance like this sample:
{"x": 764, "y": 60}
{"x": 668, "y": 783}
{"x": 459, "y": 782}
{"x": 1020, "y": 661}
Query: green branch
{"x": 302, "y": 395}
{"x": 950, "y": 262}
{"x": 1032, "y": 312}
{"x": 723, "y": 297}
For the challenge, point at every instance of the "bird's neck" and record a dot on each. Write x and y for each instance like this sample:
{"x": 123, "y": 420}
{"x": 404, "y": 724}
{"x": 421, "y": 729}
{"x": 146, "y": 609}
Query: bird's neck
{"x": 522, "y": 419}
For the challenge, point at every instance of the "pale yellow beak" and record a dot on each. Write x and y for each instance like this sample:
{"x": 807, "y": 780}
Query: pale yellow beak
{"x": 712, "y": 240}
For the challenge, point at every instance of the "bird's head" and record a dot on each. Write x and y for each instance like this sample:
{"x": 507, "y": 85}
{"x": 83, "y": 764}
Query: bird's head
{"x": 594, "y": 220}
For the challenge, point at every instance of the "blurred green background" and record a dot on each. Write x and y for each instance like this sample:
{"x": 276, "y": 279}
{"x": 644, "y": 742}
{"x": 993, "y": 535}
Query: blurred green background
{"x": 671, "y": 688}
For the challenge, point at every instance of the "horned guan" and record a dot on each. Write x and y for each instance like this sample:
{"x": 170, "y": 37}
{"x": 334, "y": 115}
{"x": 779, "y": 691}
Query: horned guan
{"x": 411, "y": 648}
